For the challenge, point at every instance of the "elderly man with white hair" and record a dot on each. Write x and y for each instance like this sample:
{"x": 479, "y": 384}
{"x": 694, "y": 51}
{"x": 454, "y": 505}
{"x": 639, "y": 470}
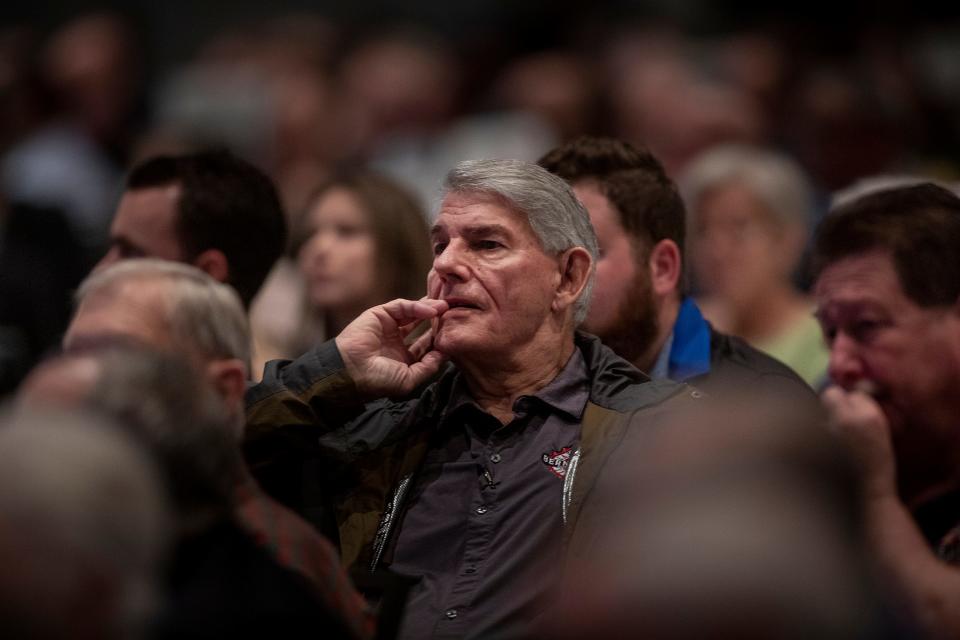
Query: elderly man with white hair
{"x": 180, "y": 310}
{"x": 479, "y": 482}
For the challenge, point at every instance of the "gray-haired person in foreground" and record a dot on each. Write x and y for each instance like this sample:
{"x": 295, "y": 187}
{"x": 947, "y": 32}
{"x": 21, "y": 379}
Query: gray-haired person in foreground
{"x": 220, "y": 581}
{"x": 180, "y": 310}
{"x": 479, "y": 482}
{"x": 85, "y": 528}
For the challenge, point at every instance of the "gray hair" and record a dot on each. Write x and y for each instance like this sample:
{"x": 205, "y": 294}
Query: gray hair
{"x": 558, "y": 219}
{"x": 169, "y": 407}
{"x": 203, "y": 315}
{"x": 776, "y": 180}
{"x": 80, "y": 501}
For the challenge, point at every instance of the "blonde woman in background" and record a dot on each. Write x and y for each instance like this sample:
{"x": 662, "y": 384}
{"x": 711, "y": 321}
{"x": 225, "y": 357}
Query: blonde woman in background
{"x": 361, "y": 241}
{"x": 751, "y": 213}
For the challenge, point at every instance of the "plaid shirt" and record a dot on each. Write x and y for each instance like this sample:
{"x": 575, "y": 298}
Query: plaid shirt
{"x": 298, "y": 546}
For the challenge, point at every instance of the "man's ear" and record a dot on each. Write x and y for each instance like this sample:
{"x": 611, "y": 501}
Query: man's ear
{"x": 214, "y": 263}
{"x": 666, "y": 265}
{"x": 229, "y": 379}
{"x": 575, "y": 265}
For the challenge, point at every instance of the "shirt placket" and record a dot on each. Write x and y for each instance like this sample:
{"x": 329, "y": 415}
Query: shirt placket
{"x": 482, "y": 520}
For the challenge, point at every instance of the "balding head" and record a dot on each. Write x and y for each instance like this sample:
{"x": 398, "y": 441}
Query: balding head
{"x": 168, "y": 307}
{"x": 163, "y": 305}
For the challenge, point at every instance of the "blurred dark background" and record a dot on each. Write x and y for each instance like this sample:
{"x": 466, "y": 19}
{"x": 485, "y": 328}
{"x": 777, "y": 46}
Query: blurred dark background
{"x": 303, "y": 89}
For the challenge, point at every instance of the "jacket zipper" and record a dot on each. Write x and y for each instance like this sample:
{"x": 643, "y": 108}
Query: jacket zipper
{"x": 386, "y": 521}
{"x": 567, "y": 496}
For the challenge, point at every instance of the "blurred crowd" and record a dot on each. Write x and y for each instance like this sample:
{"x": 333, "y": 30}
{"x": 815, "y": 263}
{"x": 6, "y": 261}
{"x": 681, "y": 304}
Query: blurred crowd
{"x": 304, "y": 98}
{"x": 761, "y": 130}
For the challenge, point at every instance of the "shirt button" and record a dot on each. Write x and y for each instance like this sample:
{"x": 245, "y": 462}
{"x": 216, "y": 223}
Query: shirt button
{"x": 495, "y": 458}
{"x": 451, "y": 614}
{"x": 481, "y": 509}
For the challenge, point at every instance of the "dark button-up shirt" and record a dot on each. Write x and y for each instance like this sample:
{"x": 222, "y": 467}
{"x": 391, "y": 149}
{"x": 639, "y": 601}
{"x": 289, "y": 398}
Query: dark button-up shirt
{"x": 484, "y": 517}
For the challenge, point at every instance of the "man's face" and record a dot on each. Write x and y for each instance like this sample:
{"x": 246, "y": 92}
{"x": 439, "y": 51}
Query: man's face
{"x": 488, "y": 264}
{"x": 145, "y": 226}
{"x": 905, "y": 355}
{"x": 622, "y": 311}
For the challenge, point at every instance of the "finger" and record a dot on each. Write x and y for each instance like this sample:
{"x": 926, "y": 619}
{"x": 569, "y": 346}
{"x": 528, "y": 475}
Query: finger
{"x": 422, "y": 345}
{"x": 835, "y": 400}
{"x": 406, "y": 311}
{"x": 425, "y": 368}
{"x": 412, "y": 327}
{"x": 833, "y": 397}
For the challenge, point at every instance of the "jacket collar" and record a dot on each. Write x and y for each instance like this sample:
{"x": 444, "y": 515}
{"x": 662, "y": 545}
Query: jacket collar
{"x": 614, "y": 383}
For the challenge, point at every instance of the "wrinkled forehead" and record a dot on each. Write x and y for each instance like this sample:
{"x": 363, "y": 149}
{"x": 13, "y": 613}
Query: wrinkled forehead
{"x": 480, "y": 209}
{"x": 865, "y": 274}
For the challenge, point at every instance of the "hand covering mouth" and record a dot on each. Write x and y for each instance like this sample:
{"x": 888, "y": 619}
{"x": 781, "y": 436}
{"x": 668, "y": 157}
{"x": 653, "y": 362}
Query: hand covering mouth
{"x": 868, "y": 387}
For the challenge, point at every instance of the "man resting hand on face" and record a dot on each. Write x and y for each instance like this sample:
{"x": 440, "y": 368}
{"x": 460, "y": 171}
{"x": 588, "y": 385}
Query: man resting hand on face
{"x": 481, "y": 482}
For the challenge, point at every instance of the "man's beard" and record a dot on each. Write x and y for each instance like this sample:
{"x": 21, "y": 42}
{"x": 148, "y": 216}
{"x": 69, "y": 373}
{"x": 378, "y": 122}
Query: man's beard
{"x": 635, "y": 325}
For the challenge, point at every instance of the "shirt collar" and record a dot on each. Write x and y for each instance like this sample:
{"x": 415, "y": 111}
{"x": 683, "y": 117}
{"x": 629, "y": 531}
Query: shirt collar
{"x": 567, "y": 393}
{"x": 661, "y": 368}
{"x": 690, "y": 350}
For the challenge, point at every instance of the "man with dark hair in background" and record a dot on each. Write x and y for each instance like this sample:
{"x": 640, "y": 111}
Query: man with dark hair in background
{"x": 887, "y": 269}
{"x": 209, "y": 209}
{"x": 639, "y": 308}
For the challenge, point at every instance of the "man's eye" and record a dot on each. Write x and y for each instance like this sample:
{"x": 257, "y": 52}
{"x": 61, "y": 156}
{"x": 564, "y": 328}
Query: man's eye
{"x": 487, "y": 245}
{"x": 864, "y": 329}
{"x": 438, "y": 247}
{"x": 829, "y": 333}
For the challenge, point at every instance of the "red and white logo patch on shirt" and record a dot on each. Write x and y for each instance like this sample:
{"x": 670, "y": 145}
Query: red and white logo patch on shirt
{"x": 557, "y": 461}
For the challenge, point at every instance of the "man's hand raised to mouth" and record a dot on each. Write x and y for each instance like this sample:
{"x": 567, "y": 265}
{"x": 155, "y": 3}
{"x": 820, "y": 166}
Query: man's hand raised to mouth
{"x": 375, "y": 354}
{"x": 859, "y": 421}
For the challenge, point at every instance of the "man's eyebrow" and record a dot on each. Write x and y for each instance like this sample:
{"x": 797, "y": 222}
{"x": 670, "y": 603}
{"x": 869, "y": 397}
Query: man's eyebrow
{"x": 846, "y": 307}
{"x": 473, "y": 231}
{"x": 485, "y": 230}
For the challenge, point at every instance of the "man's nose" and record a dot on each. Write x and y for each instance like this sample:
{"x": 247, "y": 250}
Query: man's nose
{"x": 846, "y": 365}
{"x": 451, "y": 263}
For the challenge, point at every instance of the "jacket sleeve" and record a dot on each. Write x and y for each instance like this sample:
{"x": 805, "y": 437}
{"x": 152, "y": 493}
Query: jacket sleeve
{"x": 297, "y": 404}
{"x": 310, "y": 407}
{"x": 312, "y": 391}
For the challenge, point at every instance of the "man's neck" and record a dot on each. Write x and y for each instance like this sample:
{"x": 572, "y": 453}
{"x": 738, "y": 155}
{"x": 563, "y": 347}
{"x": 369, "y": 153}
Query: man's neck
{"x": 495, "y": 386}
